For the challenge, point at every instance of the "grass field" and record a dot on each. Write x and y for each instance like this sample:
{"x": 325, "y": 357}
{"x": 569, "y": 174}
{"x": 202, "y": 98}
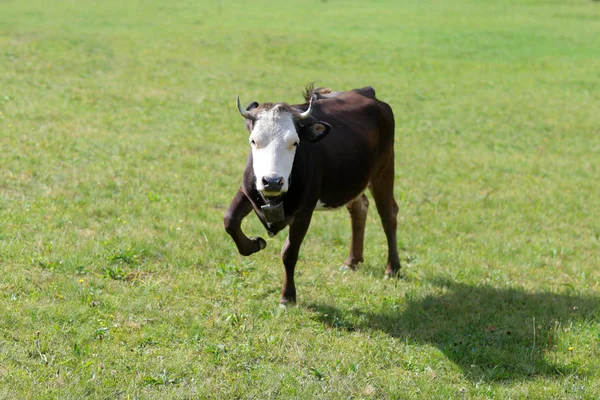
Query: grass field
{"x": 121, "y": 148}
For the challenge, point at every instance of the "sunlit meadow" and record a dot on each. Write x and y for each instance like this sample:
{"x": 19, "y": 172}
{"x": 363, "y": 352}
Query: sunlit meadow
{"x": 121, "y": 148}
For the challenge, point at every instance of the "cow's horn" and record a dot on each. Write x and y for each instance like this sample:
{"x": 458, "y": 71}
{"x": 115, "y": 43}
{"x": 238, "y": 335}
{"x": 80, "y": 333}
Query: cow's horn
{"x": 244, "y": 113}
{"x": 306, "y": 113}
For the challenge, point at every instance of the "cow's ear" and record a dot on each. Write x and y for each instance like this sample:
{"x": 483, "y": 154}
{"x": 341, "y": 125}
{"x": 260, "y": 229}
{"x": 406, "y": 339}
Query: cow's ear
{"x": 314, "y": 132}
{"x": 249, "y": 122}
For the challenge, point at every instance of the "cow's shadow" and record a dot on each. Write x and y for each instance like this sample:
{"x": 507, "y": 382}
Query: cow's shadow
{"x": 488, "y": 332}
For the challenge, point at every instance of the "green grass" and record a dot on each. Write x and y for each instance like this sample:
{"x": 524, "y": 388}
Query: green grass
{"x": 121, "y": 148}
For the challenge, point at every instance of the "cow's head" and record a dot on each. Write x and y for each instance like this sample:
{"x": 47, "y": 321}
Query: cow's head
{"x": 276, "y": 130}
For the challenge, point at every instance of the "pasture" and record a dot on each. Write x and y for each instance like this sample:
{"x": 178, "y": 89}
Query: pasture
{"x": 121, "y": 147}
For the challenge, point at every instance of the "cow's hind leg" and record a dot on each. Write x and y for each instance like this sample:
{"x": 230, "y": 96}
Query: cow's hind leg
{"x": 382, "y": 189}
{"x": 358, "y": 215}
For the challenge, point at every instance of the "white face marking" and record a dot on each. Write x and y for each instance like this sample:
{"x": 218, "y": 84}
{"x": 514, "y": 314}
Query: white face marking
{"x": 273, "y": 140}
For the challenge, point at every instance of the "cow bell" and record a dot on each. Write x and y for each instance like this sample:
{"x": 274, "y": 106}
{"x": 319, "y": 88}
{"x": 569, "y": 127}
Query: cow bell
{"x": 273, "y": 212}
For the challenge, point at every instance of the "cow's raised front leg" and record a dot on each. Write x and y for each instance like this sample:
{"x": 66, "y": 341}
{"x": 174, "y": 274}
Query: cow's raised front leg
{"x": 240, "y": 207}
{"x": 358, "y": 214}
{"x": 289, "y": 256}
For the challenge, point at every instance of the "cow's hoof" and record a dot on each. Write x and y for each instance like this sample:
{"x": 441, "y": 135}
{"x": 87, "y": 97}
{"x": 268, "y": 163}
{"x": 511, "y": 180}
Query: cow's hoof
{"x": 260, "y": 241}
{"x": 351, "y": 267}
{"x": 254, "y": 245}
{"x": 283, "y": 302}
{"x": 389, "y": 274}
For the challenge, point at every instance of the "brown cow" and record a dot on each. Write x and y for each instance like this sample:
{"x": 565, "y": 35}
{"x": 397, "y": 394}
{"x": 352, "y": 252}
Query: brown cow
{"x": 319, "y": 155}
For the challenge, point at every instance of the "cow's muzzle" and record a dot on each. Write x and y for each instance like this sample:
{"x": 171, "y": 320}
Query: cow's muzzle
{"x": 272, "y": 184}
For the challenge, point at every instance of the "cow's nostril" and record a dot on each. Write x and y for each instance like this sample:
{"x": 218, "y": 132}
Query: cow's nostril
{"x": 265, "y": 181}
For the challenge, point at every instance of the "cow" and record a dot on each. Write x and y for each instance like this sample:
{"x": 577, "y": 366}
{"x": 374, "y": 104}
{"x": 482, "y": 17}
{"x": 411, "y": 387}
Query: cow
{"x": 322, "y": 154}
